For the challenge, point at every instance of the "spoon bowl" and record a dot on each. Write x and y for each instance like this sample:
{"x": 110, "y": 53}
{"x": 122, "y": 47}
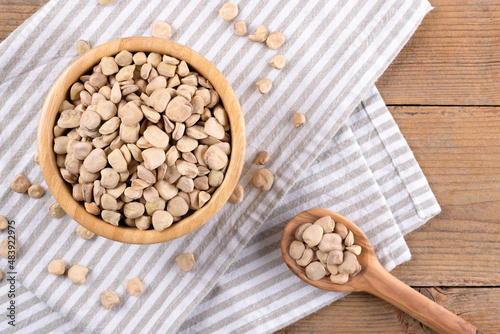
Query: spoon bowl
{"x": 373, "y": 278}
{"x": 365, "y": 259}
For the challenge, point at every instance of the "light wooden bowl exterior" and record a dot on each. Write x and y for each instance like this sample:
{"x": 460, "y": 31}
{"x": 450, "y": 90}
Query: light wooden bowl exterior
{"x": 61, "y": 190}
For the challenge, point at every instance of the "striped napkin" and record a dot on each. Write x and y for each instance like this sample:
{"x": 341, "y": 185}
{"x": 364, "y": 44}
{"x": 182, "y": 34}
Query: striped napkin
{"x": 349, "y": 157}
{"x": 365, "y": 174}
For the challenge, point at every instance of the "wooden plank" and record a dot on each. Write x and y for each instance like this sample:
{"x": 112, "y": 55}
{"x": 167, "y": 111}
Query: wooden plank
{"x": 14, "y": 12}
{"x": 448, "y": 252}
{"x": 357, "y": 311}
{"x": 458, "y": 149}
{"x": 362, "y": 313}
{"x": 452, "y": 59}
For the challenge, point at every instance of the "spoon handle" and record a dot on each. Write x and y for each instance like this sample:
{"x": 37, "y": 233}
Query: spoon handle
{"x": 382, "y": 284}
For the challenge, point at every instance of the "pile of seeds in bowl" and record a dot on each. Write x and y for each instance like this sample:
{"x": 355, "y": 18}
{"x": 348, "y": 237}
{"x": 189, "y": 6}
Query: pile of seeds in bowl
{"x": 143, "y": 140}
{"x": 326, "y": 248}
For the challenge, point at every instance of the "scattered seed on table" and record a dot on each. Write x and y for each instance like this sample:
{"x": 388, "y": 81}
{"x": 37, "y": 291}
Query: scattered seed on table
{"x": 36, "y": 191}
{"x": 105, "y": 2}
{"x": 78, "y": 273}
{"x": 264, "y": 85}
{"x": 84, "y": 233}
{"x": 237, "y": 195}
{"x": 6, "y": 247}
{"x": 275, "y": 40}
{"x": 4, "y": 223}
{"x": 109, "y": 299}
{"x": 56, "y": 267}
{"x": 262, "y": 158}
{"x": 263, "y": 179}
{"x": 260, "y": 35}
{"x": 135, "y": 286}
{"x": 21, "y": 184}
{"x": 82, "y": 47}
{"x": 228, "y": 11}
{"x": 162, "y": 29}
{"x": 56, "y": 211}
{"x": 278, "y": 62}
{"x": 185, "y": 261}
{"x": 240, "y": 28}
{"x": 299, "y": 119}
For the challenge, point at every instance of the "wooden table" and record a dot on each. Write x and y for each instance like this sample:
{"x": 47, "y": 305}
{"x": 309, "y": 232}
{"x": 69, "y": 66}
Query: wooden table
{"x": 444, "y": 92}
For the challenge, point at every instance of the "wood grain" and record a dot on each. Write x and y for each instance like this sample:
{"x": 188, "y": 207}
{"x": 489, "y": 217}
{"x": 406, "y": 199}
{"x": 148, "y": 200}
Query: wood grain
{"x": 452, "y": 59}
{"x": 363, "y": 313}
{"x": 458, "y": 149}
{"x": 14, "y": 12}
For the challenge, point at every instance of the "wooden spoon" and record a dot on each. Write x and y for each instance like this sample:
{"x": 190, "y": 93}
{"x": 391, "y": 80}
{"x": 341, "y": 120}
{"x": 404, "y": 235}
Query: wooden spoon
{"x": 374, "y": 279}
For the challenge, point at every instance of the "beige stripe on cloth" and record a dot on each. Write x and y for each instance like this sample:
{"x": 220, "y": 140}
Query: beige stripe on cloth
{"x": 335, "y": 52}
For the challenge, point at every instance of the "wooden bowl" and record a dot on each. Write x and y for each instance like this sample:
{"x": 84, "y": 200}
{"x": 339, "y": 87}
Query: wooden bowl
{"x": 61, "y": 190}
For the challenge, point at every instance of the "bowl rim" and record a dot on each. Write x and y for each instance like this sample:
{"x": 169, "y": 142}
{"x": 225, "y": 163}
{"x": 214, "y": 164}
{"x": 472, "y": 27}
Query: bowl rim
{"x": 59, "y": 187}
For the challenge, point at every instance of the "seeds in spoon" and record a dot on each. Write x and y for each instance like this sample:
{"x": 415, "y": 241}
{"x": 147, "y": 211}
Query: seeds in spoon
{"x": 339, "y": 278}
{"x": 329, "y": 242}
{"x": 306, "y": 258}
{"x": 341, "y": 230}
{"x": 312, "y": 235}
{"x": 297, "y": 249}
{"x": 355, "y": 249}
{"x": 326, "y": 223}
{"x": 315, "y": 271}
{"x": 332, "y": 255}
